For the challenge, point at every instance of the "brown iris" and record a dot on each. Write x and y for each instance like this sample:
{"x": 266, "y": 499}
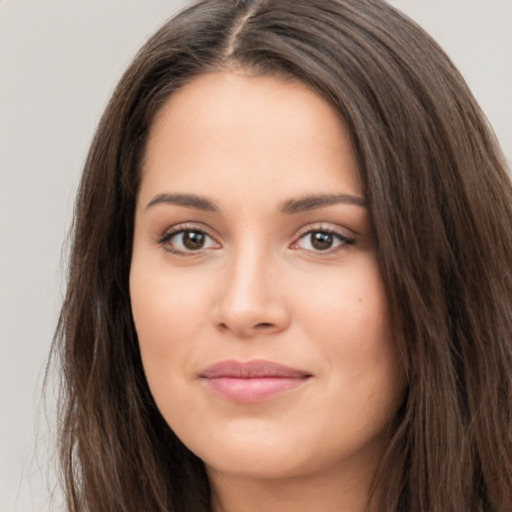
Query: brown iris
{"x": 321, "y": 240}
{"x": 193, "y": 240}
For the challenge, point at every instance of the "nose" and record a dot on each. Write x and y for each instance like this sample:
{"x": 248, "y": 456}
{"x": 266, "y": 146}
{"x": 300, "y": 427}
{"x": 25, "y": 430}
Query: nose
{"x": 250, "y": 300}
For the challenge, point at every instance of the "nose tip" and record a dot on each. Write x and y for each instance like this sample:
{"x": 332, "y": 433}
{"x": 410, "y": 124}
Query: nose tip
{"x": 250, "y": 303}
{"x": 248, "y": 319}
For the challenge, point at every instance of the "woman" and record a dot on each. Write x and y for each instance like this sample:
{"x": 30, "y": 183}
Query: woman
{"x": 290, "y": 284}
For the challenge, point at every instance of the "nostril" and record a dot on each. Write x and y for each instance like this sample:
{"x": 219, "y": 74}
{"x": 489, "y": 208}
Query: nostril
{"x": 248, "y": 329}
{"x": 265, "y": 325}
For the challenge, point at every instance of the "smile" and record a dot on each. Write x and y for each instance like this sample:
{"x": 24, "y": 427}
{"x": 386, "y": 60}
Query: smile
{"x": 252, "y": 381}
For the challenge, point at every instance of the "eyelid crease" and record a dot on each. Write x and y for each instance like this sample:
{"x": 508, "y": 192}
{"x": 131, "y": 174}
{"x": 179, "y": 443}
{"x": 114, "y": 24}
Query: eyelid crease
{"x": 184, "y": 226}
{"x": 326, "y": 226}
{"x": 178, "y": 228}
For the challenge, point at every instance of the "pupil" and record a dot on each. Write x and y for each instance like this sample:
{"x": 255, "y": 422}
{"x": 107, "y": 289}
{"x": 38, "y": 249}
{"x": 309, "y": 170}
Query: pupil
{"x": 193, "y": 240}
{"x": 321, "y": 240}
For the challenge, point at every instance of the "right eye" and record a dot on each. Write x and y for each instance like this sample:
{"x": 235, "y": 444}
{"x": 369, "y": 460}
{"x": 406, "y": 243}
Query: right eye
{"x": 187, "y": 241}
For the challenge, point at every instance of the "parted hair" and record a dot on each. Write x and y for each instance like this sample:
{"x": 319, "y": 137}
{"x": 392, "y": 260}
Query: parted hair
{"x": 440, "y": 201}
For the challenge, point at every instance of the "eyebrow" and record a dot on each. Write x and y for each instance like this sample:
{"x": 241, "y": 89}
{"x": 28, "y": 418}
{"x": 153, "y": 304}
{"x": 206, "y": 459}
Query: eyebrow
{"x": 187, "y": 200}
{"x": 320, "y": 201}
{"x": 293, "y": 206}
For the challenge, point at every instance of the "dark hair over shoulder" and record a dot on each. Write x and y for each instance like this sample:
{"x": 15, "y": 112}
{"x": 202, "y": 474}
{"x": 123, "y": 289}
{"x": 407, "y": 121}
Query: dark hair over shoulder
{"x": 441, "y": 205}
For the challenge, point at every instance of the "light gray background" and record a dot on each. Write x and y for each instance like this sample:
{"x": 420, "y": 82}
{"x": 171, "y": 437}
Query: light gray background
{"x": 59, "y": 61}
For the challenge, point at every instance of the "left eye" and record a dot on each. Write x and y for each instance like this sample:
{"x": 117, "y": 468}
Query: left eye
{"x": 188, "y": 240}
{"x": 322, "y": 241}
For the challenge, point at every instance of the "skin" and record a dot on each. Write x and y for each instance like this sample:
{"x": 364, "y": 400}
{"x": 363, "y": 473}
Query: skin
{"x": 259, "y": 288}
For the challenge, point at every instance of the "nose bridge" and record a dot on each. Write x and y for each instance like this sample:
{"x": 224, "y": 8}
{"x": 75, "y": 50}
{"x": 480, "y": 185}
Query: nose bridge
{"x": 250, "y": 300}
{"x": 247, "y": 277}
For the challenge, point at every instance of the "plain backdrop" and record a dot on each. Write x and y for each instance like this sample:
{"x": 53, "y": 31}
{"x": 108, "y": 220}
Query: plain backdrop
{"x": 59, "y": 62}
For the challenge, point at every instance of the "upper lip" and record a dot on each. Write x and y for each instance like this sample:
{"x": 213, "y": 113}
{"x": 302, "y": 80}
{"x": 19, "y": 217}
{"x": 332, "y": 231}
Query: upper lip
{"x": 256, "y": 368}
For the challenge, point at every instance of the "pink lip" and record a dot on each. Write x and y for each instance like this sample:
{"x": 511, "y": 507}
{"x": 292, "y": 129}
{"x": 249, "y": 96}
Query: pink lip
{"x": 252, "y": 381}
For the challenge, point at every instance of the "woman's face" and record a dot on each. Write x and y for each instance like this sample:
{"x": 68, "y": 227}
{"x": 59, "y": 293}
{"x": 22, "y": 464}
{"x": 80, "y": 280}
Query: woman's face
{"x": 261, "y": 314}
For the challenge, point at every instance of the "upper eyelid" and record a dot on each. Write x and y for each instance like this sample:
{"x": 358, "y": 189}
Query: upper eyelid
{"x": 186, "y": 226}
{"x": 344, "y": 238}
{"x": 323, "y": 226}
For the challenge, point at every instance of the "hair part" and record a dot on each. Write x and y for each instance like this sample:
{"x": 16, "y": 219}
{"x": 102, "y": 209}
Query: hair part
{"x": 440, "y": 201}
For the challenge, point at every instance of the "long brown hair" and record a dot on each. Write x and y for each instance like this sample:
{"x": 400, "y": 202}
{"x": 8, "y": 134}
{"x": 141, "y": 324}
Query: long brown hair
{"x": 441, "y": 205}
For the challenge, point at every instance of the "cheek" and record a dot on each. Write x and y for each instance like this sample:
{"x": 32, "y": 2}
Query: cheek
{"x": 348, "y": 308}
{"x": 348, "y": 317}
{"x": 168, "y": 309}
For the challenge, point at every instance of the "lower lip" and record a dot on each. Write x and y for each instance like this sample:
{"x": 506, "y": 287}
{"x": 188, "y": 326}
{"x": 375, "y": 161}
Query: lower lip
{"x": 251, "y": 390}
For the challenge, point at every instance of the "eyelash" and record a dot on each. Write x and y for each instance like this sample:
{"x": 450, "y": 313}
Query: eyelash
{"x": 344, "y": 241}
{"x": 170, "y": 234}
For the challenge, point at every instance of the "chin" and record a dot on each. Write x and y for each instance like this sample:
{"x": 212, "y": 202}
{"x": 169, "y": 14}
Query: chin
{"x": 252, "y": 448}
{"x": 257, "y": 463}
{"x": 258, "y": 449}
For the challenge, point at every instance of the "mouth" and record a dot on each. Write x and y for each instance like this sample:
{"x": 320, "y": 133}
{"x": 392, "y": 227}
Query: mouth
{"x": 252, "y": 381}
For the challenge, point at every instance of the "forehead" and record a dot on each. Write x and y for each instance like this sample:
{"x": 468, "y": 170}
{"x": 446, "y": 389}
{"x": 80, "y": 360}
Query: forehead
{"x": 250, "y": 133}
